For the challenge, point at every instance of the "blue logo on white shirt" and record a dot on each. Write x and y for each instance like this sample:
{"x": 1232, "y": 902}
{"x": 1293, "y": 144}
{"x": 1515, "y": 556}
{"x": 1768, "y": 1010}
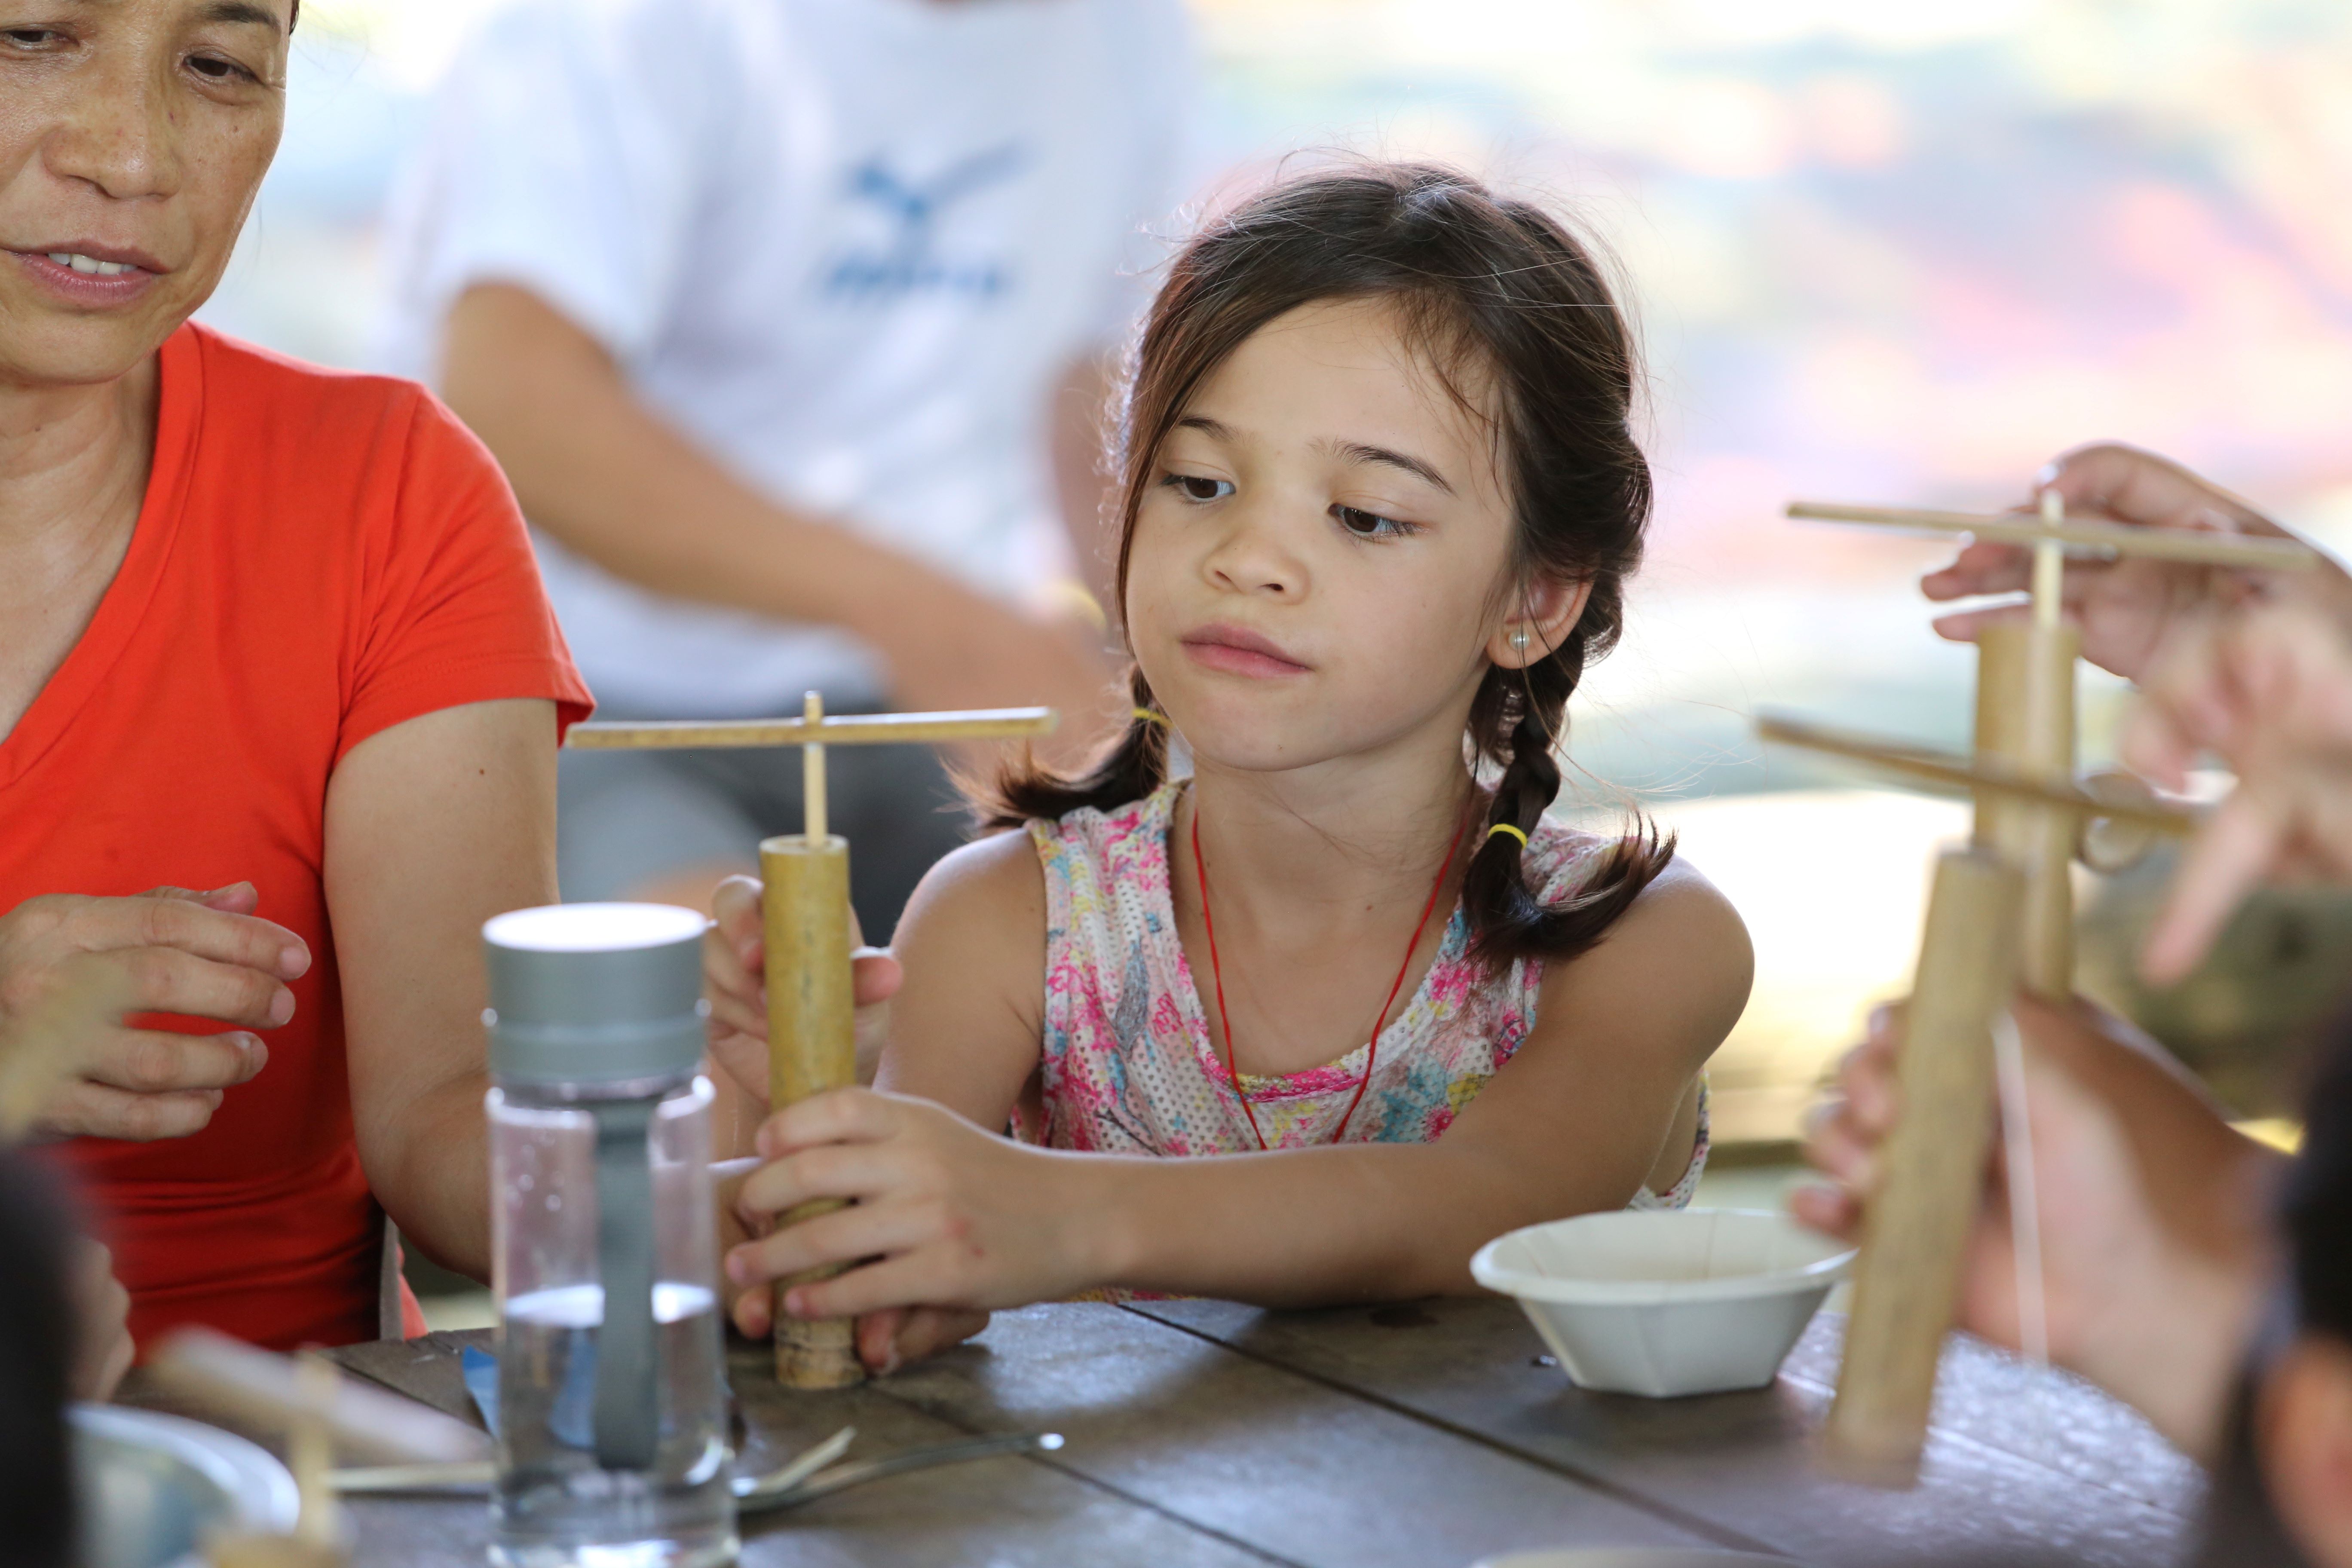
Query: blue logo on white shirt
{"x": 911, "y": 263}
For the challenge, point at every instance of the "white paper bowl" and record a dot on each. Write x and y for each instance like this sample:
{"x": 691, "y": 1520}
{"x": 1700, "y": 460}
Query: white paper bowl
{"x": 1666, "y": 1302}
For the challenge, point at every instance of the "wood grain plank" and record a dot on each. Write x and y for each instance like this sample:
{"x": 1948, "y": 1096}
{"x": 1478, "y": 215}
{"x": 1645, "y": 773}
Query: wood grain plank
{"x": 2023, "y": 1467}
{"x": 1299, "y": 1470}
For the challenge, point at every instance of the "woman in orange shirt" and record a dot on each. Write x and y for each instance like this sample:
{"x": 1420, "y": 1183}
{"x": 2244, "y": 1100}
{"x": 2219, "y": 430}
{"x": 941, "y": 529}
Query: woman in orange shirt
{"x": 263, "y": 630}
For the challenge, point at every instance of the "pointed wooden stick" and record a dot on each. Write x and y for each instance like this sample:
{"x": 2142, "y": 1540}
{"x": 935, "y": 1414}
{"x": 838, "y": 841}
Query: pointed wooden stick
{"x": 2234, "y": 550}
{"x": 1959, "y": 773}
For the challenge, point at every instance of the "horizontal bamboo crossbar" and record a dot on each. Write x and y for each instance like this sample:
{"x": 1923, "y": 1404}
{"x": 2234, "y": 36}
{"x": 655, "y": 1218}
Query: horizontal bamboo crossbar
{"x": 848, "y": 730}
{"x": 2116, "y": 538}
{"x": 1959, "y": 772}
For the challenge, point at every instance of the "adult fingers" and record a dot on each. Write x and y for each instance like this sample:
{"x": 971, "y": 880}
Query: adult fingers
{"x": 2133, "y": 486}
{"x": 1965, "y": 625}
{"x": 85, "y": 1110}
{"x": 168, "y": 980}
{"x": 2229, "y": 856}
{"x": 1985, "y": 566}
{"x": 155, "y": 1061}
{"x": 169, "y": 918}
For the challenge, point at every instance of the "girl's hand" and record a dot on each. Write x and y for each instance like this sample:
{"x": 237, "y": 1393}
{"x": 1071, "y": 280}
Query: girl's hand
{"x": 945, "y": 1219}
{"x": 2269, "y": 690}
{"x": 734, "y": 959}
{"x": 2150, "y": 1210}
{"x": 2124, "y": 607}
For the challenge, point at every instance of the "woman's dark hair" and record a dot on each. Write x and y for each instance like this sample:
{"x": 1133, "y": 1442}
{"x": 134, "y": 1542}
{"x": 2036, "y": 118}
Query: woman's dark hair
{"x": 2318, "y": 1207}
{"x": 1499, "y": 296}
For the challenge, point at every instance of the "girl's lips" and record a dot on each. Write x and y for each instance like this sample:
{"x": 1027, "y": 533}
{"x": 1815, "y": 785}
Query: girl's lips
{"x": 83, "y": 287}
{"x": 1236, "y": 658}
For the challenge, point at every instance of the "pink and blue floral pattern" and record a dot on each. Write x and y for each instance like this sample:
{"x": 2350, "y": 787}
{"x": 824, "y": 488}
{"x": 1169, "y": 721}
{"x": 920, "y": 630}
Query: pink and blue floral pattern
{"x": 1128, "y": 1066}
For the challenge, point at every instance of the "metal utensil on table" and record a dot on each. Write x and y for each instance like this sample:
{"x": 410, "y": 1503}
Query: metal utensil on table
{"x": 813, "y": 1475}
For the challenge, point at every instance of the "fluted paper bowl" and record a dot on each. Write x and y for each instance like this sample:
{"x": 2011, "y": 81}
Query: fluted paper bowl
{"x": 1665, "y": 1302}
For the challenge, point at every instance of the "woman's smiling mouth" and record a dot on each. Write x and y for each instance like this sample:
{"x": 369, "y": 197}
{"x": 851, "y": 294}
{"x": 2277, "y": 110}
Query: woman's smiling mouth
{"x": 1237, "y": 650}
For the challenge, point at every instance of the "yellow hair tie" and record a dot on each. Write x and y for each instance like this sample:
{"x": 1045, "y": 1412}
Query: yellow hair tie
{"x": 1149, "y": 717}
{"x": 1518, "y": 833}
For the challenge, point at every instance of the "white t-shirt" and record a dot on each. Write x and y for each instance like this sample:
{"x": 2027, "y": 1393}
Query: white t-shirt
{"x": 850, "y": 246}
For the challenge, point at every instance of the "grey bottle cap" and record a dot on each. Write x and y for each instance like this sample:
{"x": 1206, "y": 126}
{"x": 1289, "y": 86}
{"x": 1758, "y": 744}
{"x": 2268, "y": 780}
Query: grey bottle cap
{"x": 594, "y": 994}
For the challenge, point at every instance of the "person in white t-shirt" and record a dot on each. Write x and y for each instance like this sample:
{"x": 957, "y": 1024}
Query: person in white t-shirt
{"x": 789, "y": 321}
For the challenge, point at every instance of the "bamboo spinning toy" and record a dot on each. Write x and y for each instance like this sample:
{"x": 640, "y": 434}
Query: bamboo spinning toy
{"x": 811, "y": 1033}
{"x": 2001, "y": 912}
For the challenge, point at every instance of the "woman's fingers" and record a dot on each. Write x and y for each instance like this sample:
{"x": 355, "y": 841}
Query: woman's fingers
{"x": 168, "y": 980}
{"x": 85, "y": 1110}
{"x": 174, "y": 917}
{"x": 2232, "y": 853}
{"x": 155, "y": 1061}
{"x": 1983, "y": 567}
{"x": 1831, "y": 1210}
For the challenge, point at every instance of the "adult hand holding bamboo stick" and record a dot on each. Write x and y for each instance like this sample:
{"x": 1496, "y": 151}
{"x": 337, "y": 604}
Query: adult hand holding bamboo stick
{"x": 2126, "y": 607}
{"x": 2146, "y": 1195}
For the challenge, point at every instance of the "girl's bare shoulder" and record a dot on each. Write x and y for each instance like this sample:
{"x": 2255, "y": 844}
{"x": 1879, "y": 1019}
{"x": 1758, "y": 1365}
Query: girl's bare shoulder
{"x": 991, "y": 891}
{"x": 1680, "y": 949}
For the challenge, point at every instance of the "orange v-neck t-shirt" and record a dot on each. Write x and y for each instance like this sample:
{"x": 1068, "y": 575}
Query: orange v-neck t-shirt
{"x": 320, "y": 556}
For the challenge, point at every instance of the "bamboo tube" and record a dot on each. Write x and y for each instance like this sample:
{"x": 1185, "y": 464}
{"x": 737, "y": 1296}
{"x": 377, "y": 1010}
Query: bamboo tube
{"x": 812, "y": 1034}
{"x": 855, "y": 729}
{"x": 2142, "y": 810}
{"x": 1915, "y": 1230}
{"x": 262, "y": 1388}
{"x": 2025, "y": 720}
{"x": 2230, "y": 550}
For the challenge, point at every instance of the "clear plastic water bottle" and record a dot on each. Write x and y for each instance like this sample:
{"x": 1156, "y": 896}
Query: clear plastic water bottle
{"x": 613, "y": 1417}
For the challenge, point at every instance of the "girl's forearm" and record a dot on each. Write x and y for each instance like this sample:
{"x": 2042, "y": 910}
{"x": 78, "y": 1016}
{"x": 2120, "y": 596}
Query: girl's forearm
{"x": 1305, "y": 1228}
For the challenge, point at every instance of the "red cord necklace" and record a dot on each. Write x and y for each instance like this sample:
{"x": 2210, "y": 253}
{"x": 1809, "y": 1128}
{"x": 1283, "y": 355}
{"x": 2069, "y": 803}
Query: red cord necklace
{"x": 1371, "y": 1051}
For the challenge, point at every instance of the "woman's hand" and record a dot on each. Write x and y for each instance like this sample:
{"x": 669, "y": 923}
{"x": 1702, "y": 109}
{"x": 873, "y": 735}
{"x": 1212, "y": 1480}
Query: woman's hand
{"x": 2151, "y": 1212}
{"x": 201, "y": 955}
{"x": 945, "y": 1219}
{"x": 102, "y": 1311}
{"x": 2127, "y": 607}
{"x": 734, "y": 966}
{"x": 2269, "y": 690}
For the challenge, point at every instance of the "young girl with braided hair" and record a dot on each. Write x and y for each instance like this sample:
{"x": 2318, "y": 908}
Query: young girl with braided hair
{"x": 1381, "y": 500}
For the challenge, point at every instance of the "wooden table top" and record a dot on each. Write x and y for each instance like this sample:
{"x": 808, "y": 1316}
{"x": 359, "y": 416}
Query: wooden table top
{"x": 1203, "y": 1433}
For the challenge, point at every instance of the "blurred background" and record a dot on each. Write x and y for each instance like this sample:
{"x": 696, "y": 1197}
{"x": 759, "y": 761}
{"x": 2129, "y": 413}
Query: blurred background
{"x": 1891, "y": 250}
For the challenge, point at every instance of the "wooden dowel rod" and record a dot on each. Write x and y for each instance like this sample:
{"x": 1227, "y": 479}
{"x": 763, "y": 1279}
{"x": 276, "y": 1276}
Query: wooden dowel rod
{"x": 2152, "y": 543}
{"x": 2050, "y": 564}
{"x": 812, "y": 813}
{"x": 1932, "y": 1165}
{"x": 811, "y": 1047}
{"x": 1961, "y": 774}
{"x": 841, "y": 730}
{"x": 260, "y": 1387}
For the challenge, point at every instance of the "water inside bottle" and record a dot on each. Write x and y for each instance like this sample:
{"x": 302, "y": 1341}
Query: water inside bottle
{"x": 554, "y": 1507}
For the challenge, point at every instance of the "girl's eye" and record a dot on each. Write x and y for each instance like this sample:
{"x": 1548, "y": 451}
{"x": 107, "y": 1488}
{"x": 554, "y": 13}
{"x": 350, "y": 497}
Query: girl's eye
{"x": 1368, "y": 524}
{"x": 1198, "y": 488}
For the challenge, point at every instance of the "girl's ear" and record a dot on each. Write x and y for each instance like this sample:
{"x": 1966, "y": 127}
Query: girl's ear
{"x": 1548, "y": 612}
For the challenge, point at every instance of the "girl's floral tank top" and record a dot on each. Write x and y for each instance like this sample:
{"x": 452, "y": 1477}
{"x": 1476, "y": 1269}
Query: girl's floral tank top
{"x": 1129, "y": 1067}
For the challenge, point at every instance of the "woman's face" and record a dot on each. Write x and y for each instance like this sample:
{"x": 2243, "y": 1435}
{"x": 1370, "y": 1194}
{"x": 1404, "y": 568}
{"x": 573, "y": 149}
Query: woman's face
{"x": 133, "y": 135}
{"x": 1316, "y": 568}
